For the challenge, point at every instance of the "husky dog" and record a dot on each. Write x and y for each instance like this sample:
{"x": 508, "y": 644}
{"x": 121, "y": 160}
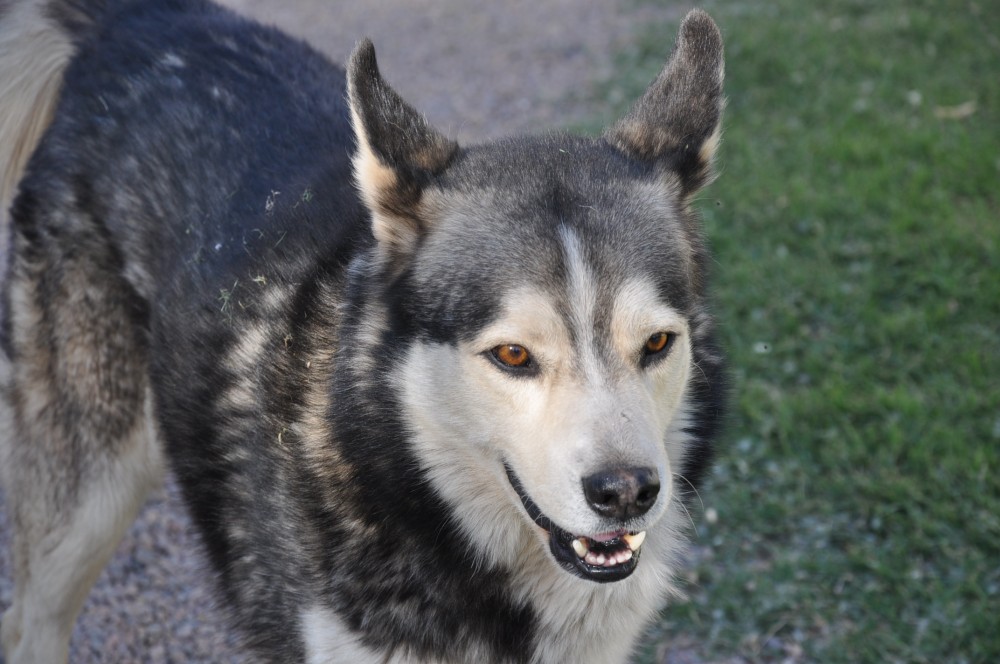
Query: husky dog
{"x": 426, "y": 403}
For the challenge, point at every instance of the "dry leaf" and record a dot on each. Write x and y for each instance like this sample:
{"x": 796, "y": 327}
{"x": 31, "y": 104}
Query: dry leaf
{"x": 959, "y": 112}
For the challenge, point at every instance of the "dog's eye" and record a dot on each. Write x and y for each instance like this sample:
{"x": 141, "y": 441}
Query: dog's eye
{"x": 658, "y": 342}
{"x": 512, "y": 355}
{"x": 657, "y": 346}
{"x": 513, "y": 359}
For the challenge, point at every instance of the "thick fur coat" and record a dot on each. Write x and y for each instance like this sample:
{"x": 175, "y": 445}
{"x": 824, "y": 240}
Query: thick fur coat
{"x": 427, "y": 402}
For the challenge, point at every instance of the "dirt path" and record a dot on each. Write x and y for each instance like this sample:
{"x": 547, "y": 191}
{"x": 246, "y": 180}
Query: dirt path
{"x": 477, "y": 70}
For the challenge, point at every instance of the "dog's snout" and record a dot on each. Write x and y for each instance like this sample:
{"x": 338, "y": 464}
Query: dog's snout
{"x": 622, "y": 493}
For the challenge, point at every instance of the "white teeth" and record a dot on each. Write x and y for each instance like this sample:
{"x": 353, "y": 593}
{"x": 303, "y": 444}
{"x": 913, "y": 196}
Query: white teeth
{"x": 581, "y": 545}
{"x": 635, "y": 541}
{"x": 622, "y": 556}
{"x": 612, "y": 559}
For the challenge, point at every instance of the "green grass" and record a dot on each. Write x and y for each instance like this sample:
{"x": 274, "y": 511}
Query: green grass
{"x": 856, "y": 225}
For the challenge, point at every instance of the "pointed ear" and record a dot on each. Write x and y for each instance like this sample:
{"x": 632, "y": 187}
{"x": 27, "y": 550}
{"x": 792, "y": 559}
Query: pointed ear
{"x": 398, "y": 153}
{"x": 678, "y": 119}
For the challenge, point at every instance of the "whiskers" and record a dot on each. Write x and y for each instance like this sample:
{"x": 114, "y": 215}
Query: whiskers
{"x": 694, "y": 489}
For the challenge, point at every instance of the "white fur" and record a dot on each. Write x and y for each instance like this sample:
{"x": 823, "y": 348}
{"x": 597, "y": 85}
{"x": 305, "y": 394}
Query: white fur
{"x": 35, "y": 53}
{"x": 328, "y": 640}
{"x": 581, "y": 296}
{"x": 637, "y": 315}
{"x": 68, "y": 551}
{"x": 586, "y": 621}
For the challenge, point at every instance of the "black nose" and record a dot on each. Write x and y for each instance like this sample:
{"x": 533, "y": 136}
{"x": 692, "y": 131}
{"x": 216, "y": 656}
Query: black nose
{"x": 622, "y": 493}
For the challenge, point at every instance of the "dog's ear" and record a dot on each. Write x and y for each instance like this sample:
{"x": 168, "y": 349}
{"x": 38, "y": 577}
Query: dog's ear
{"x": 677, "y": 121}
{"x": 398, "y": 153}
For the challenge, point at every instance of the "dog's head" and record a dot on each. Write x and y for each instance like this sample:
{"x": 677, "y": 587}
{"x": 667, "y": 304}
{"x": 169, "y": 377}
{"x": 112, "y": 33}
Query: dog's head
{"x": 549, "y": 293}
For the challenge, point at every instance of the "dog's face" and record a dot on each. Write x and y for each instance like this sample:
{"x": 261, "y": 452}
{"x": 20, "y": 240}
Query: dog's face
{"x": 550, "y": 310}
{"x": 550, "y": 292}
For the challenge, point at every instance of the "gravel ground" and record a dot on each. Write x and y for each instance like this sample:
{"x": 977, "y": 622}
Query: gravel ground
{"x": 477, "y": 70}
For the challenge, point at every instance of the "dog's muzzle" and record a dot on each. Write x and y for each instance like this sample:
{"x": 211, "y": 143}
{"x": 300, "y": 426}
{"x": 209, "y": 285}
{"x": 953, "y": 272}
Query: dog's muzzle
{"x": 604, "y": 557}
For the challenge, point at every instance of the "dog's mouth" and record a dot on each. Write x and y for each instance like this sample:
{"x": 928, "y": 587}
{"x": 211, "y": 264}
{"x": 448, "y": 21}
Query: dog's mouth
{"x": 603, "y": 557}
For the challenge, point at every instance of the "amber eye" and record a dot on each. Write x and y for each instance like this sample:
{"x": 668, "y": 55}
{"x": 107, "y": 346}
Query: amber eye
{"x": 657, "y": 342}
{"x": 512, "y": 356}
{"x": 657, "y": 346}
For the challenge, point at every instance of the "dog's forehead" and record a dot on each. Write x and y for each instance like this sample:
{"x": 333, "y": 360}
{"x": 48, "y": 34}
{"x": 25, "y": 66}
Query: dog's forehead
{"x": 527, "y": 210}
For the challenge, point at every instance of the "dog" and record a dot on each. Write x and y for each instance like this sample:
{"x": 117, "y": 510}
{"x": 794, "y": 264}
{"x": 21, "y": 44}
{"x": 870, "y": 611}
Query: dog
{"x": 426, "y": 402}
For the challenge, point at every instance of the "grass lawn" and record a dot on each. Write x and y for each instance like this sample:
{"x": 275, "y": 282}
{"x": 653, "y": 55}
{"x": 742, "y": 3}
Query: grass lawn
{"x": 856, "y": 225}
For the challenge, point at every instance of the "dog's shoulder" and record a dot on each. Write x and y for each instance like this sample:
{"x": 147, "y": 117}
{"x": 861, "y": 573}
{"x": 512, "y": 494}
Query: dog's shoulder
{"x": 190, "y": 134}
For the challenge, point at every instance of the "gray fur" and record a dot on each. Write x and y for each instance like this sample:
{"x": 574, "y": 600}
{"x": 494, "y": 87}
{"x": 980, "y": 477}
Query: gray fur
{"x": 678, "y": 118}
